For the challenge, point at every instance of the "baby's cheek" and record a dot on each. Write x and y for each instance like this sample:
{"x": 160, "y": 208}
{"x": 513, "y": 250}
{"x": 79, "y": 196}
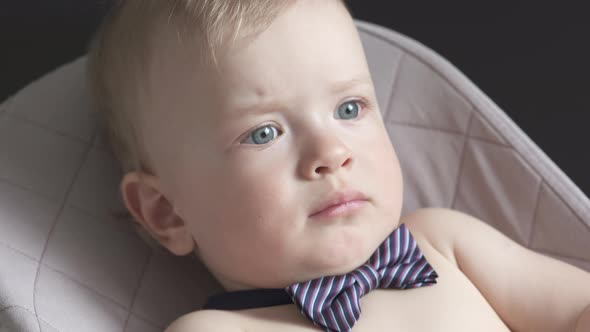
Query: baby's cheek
{"x": 386, "y": 172}
{"x": 251, "y": 214}
{"x": 259, "y": 202}
{"x": 260, "y": 222}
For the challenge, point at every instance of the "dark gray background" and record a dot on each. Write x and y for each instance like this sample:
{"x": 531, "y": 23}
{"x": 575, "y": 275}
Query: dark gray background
{"x": 531, "y": 58}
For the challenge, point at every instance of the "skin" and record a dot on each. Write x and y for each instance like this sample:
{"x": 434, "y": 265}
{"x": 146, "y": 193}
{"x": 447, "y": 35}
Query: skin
{"x": 245, "y": 207}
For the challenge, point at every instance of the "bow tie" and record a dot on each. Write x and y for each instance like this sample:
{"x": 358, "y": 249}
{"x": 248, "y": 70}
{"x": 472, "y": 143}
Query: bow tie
{"x": 333, "y": 302}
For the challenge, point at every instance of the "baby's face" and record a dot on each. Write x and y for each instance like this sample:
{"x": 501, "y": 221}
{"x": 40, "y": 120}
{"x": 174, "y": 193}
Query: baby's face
{"x": 246, "y": 156}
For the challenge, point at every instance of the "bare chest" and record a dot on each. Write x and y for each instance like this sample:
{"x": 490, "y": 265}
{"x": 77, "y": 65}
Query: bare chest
{"x": 453, "y": 304}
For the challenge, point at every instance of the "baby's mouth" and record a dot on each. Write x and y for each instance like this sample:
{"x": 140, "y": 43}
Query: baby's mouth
{"x": 340, "y": 203}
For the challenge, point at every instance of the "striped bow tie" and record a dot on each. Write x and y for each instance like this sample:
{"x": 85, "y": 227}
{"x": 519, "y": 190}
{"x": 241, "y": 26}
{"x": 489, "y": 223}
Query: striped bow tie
{"x": 332, "y": 302}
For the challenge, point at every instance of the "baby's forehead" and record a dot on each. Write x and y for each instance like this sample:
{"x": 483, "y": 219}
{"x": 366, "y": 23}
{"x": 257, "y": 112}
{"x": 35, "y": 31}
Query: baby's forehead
{"x": 268, "y": 65}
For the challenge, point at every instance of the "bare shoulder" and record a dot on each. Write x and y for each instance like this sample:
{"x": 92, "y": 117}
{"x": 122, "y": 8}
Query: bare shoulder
{"x": 206, "y": 320}
{"x": 438, "y": 226}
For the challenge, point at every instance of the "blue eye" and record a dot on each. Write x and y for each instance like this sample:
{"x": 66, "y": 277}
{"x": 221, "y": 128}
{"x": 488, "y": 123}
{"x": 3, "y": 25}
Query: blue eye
{"x": 349, "y": 110}
{"x": 262, "y": 135}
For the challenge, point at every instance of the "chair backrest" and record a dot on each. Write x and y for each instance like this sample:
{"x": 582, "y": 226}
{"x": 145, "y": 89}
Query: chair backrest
{"x": 68, "y": 266}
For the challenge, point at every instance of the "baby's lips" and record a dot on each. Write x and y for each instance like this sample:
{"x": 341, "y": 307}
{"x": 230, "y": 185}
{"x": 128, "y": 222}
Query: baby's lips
{"x": 337, "y": 198}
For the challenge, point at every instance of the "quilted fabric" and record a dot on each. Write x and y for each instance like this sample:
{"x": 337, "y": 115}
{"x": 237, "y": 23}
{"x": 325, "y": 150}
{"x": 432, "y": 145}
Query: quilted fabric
{"x": 68, "y": 266}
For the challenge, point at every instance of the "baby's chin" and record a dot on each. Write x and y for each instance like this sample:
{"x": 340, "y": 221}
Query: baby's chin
{"x": 343, "y": 261}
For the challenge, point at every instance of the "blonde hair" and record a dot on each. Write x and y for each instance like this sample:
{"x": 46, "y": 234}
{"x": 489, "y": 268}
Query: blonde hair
{"x": 124, "y": 47}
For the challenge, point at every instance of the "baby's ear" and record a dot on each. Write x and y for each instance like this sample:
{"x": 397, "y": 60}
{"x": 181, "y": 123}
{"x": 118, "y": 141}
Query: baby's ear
{"x": 149, "y": 206}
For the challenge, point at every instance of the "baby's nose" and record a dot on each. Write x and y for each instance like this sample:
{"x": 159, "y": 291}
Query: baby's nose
{"x": 325, "y": 156}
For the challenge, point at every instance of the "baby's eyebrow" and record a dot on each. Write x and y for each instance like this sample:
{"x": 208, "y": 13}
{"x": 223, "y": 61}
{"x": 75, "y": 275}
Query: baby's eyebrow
{"x": 335, "y": 88}
{"x": 345, "y": 85}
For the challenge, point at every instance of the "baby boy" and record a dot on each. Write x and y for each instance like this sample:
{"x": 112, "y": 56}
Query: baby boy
{"x": 250, "y": 135}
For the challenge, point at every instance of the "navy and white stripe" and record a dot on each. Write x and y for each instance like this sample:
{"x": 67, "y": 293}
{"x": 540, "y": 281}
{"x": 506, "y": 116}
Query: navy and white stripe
{"x": 332, "y": 302}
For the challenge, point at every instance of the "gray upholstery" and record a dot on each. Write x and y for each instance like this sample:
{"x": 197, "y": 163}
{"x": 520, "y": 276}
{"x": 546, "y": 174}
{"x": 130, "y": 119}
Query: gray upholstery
{"x": 68, "y": 266}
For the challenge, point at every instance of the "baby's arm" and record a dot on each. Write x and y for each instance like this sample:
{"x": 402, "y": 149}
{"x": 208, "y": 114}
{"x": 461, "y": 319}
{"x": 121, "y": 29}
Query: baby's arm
{"x": 530, "y": 291}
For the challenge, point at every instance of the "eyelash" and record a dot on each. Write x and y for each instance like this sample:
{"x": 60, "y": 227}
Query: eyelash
{"x": 365, "y": 105}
